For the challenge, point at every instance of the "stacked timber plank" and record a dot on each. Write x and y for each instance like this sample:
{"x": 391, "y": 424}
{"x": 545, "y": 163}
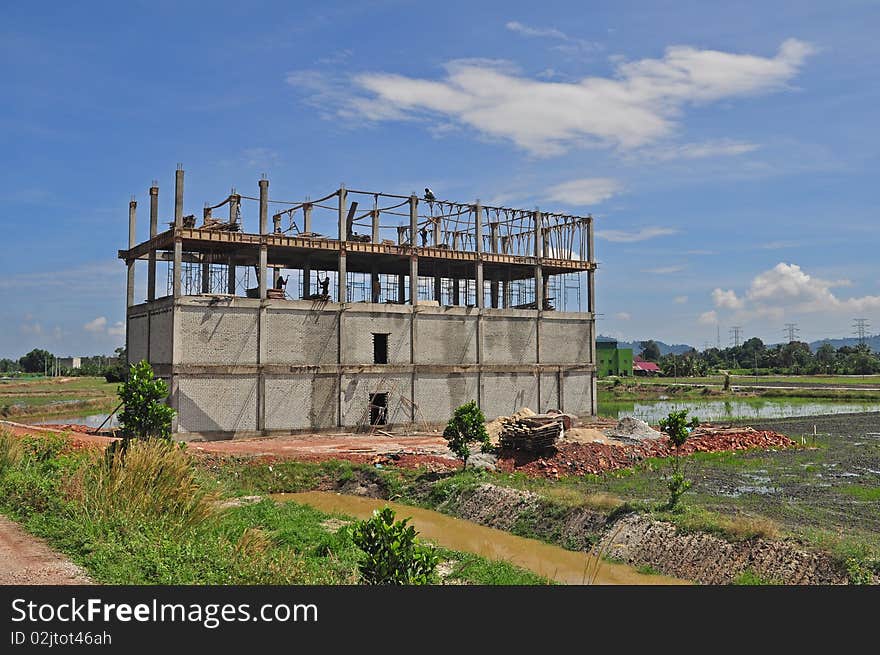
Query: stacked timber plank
{"x": 532, "y": 433}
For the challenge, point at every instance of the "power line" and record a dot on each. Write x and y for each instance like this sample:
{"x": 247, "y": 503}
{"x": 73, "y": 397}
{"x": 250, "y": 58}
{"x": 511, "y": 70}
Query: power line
{"x": 860, "y": 329}
{"x": 736, "y": 335}
{"x": 791, "y": 330}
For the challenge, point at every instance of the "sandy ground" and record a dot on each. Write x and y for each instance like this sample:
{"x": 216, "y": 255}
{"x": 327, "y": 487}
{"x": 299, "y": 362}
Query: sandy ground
{"x": 27, "y": 560}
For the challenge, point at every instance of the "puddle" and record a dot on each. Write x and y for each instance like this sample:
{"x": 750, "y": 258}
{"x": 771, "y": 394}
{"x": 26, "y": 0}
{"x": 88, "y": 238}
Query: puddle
{"x": 92, "y": 421}
{"x": 719, "y": 410}
{"x": 553, "y": 562}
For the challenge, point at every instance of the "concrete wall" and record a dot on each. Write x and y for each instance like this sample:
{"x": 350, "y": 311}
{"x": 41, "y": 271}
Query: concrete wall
{"x": 301, "y": 335}
{"x": 299, "y": 402}
{"x": 225, "y": 385}
{"x": 215, "y": 334}
{"x": 446, "y": 335}
{"x": 509, "y": 337}
{"x": 217, "y": 403}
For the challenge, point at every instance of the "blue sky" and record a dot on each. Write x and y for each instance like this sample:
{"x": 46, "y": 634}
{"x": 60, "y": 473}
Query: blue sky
{"x": 728, "y": 150}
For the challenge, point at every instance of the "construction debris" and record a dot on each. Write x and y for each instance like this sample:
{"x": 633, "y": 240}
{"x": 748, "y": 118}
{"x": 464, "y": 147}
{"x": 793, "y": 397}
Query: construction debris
{"x": 534, "y": 433}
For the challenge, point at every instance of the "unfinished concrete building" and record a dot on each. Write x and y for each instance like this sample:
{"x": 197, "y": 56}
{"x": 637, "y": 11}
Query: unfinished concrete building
{"x": 361, "y": 309}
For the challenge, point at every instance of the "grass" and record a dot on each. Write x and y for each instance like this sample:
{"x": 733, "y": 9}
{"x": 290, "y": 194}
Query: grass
{"x": 157, "y": 520}
{"x": 718, "y": 380}
{"x": 862, "y": 492}
{"x": 47, "y": 397}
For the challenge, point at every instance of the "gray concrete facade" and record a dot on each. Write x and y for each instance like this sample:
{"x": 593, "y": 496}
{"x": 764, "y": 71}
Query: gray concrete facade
{"x": 241, "y": 367}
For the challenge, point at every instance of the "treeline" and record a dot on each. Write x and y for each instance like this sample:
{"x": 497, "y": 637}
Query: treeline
{"x": 41, "y": 361}
{"x": 753, "y": 357}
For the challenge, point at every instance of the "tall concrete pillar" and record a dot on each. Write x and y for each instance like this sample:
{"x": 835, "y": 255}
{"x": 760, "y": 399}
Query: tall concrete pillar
{"x": 438, "y": 289}
{"x": 264, "y": 206}
{"x": 478, "y": 227}
{"x": 374, "y": 237}
{"x": 508, "y": 295}
{"x": 413, "y": 280}
{"x": 178, "y": 260}
{"x": 413, "y": 220}
{"x": 206, "y": 273}
{"x": 480, "y": 287}
{"x": 436, "y": 232}
{"x": 591, "y": 288}
{"x": 154, "y": 229}
{"x": 178, "y": 197}
{"x": 493, "y": 237}
{"x": 307, "y": 218}
{"x": 230, "y": 277}
{"x": 342, "y": 283}
{"x": 264, "y": 256}
{"x": 539, "y": 253}
{"x": 307, "y": 278}
{"x": 375, "y": 286}
{"x": 132, "y": 239}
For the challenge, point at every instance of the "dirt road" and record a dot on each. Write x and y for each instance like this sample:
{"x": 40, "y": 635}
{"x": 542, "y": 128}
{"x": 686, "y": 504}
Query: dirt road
{"x": 27, "y": 560}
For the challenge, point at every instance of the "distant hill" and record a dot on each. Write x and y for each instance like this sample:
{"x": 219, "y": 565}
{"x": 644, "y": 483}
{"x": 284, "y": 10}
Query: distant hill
{"x": 873, "y": 343}
{"x": 665, "y": 348}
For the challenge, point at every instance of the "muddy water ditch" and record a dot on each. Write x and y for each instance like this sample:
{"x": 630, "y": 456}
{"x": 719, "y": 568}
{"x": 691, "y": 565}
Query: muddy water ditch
{"x": 550, "y": 561}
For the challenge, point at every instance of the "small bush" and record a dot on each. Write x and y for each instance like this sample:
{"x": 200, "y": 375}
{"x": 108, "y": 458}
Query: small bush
{"x": 467, "y": 425}
{"x": 393, "y": 554}
{"x": 145, "y": 415}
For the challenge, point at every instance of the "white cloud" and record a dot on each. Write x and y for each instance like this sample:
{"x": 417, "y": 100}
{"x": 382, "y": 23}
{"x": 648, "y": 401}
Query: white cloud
{"x": 96, "y": 326}
{"x": 525, "y": 30}
{"x": 680, "y": 300}
{"x": 701, "y": 150}
{"x": 117, "y": 329}
{"x": 260, "y": 158}
{"x": 663, "y": 270}
{"x": 708, "y": 318}
{"x": 643, "y": 234}
{"x": 726, "y": 299}
{"x": 569, "y": 45}
{"x": 623, "y": 316}
{"x": 788, "y": 287}
{"x": 638, "y": 105}
{"x": 585, "y": 191}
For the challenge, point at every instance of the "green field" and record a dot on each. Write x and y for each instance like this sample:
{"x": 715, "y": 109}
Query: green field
{"x": 794, "y": 380}
{"x": 47, "y": 397}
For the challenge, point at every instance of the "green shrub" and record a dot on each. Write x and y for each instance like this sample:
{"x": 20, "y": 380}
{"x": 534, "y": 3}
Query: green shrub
{"x": 467, "y": 425}
{"x": 678, "y": 427}
{"x": 393, "y": 555}
{"x": 145, "y": 415}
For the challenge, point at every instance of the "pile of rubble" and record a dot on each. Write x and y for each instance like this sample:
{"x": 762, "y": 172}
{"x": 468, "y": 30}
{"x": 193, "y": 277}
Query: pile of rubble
{"x": 629, "y": 442}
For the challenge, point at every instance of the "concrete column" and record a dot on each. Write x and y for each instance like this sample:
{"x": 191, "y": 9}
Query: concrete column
{"x": 154, "y": 228}
{"x": 478, "y": 226}
{"x": 178, "y": 198}
{"x": 456, "y": 295}
{"x": 537, "y": 221}
{"x": 206, "y": 273}
{"x": 234, "y": 204}
{"x": 436, "y": 232}
{"x": 375, "y": 288}
{"x": 539, "y": 288}
{"x": 307, "y": 218}
{"x": 132, "y": 239}
{"x": 342, "y": 287}
{"x": 438, "y": 289}
{"x": 508, "y": 295}
{"x": 413, "y": 280}
{"x": 307, "y": 278}
{"x": 178, "y": 259}
{"x": 375, "y": 235}
{"x": 343, "y": 232}
{"x": 230, "y": 277}
{"x": 264, "y": 206}
{"x": 591, "y": 287}
{"x": 480, "y": 287}
{"x": 413, "y": 220}
{"x": 493, "y": 236}
{"x": 264, "y": 256}
{"x": 401, "y": 289}
{"x": 493, "y": 293}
